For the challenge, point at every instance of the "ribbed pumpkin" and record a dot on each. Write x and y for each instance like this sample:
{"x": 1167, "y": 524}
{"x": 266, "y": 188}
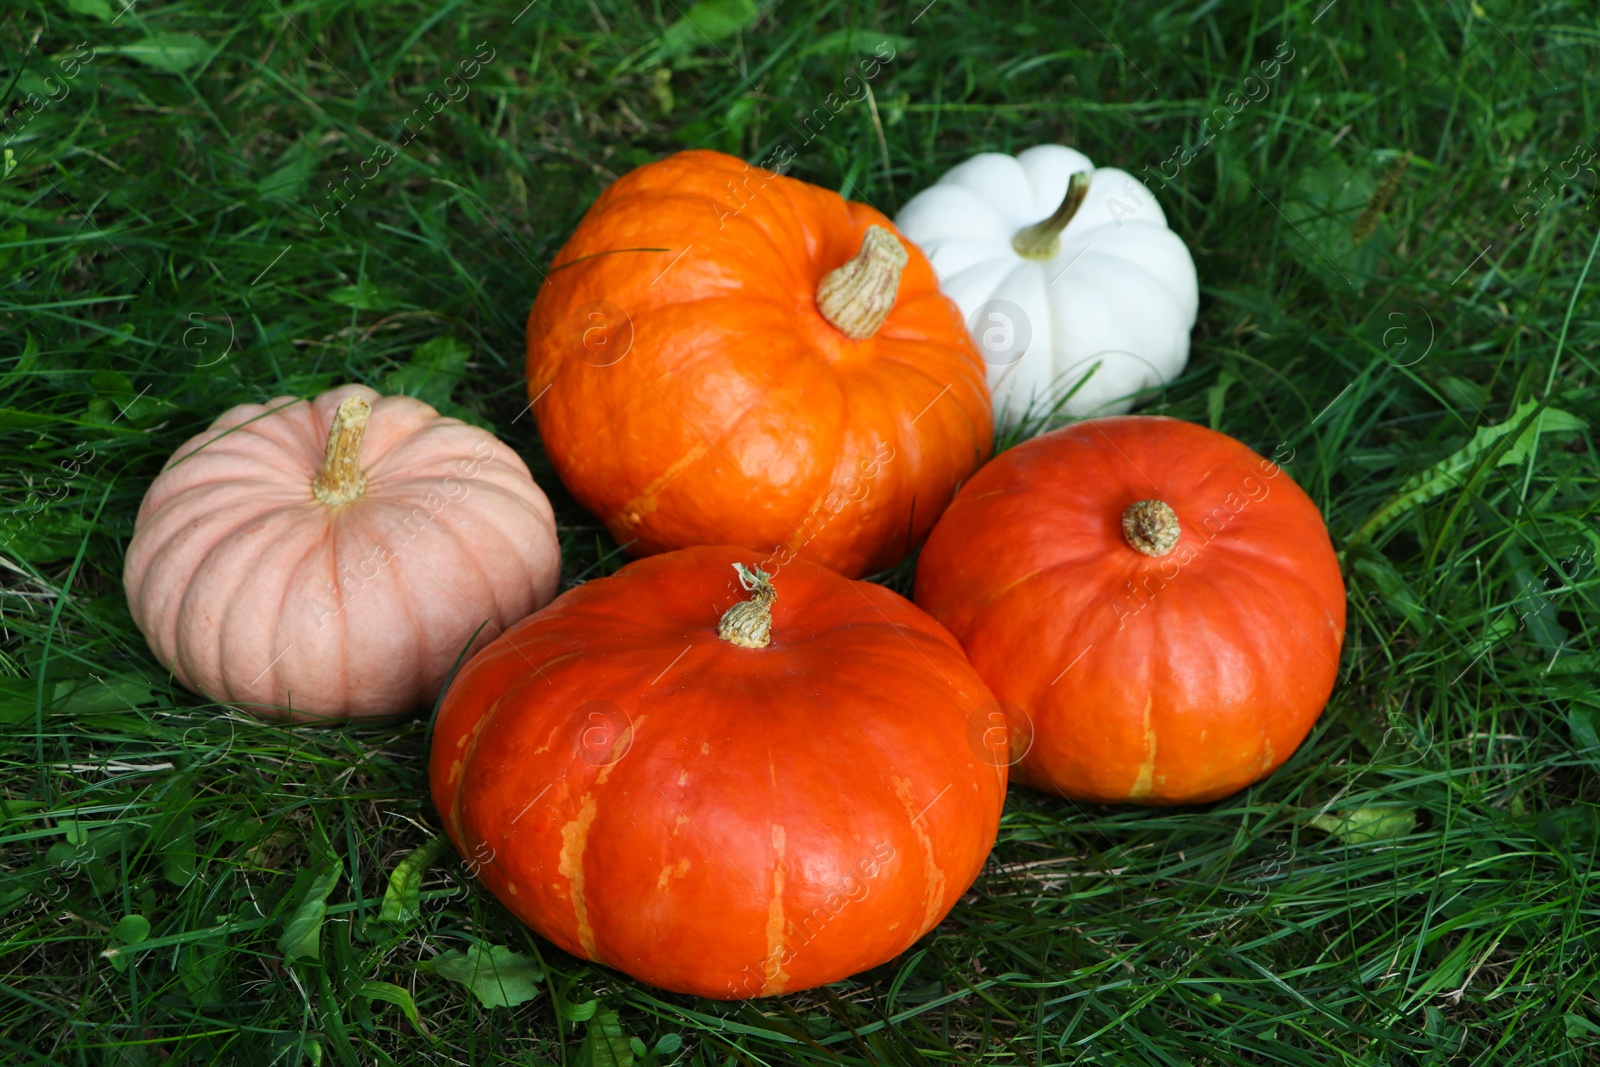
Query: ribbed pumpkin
{"x": 721, "y": 355}
{"x": 724, "y": 791}
{"x": 1158, "y": 606}
{"x": 334, "y": 558}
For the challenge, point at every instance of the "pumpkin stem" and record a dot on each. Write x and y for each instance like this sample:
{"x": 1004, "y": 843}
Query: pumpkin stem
{"x": 341, "y": 480}
{"x": 858, "y": 296}
{"x": 1151, "y": 527}
{"x": 748, "y": 623}
{"x": 1042, "y": 240}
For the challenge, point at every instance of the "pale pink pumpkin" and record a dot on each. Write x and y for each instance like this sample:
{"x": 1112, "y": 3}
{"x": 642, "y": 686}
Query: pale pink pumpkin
{"x": 334, "y": 558}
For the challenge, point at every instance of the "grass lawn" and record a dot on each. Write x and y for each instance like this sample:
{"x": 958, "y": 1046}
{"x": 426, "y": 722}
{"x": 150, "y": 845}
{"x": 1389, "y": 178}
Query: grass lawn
{"x": 1396, "y": 248}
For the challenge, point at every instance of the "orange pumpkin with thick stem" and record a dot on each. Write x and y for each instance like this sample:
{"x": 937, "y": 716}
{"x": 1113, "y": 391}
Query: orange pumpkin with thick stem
{"x": 722, "y": 355}
{"x": 1158, "y": 608}
{"x": 724, "y": 791}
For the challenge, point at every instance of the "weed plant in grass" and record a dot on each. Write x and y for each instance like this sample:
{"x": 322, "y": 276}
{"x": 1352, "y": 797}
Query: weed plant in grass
{"x": 209, "y": 204}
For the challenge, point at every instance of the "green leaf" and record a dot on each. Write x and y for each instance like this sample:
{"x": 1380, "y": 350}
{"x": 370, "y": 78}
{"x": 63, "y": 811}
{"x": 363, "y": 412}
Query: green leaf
{"x": 90, "y": 696}
{"x": 1323, "y": 207}
{"x": 10, "y": 237}
{"x": 100, "y": 9}
{"x": 171, "y": 52}
{"x": 1583, "y": 723}
{"x": 435, "y": 369}
{"x": 389, "y": 993}
{"x": 365, "y": 296}
{"x": 707, "y": 22}
{"x": 130, "y": 930}
{"x": 669, "y": 1044}
{"x": 402, "y": 901}
{"x": 498, "y": 977}
{"x": 1392, "y": 588}
{"x": 302, "y": 934}
{"x": 1360, "y": 826}
{"x": 858, "y": 43}
{"x": 91, "y": 849}
{"x": 1570, "y": 830}
{"x": 178, "y": 850}
{"x": 293, "y": 1050}
{"x": 603, "y": 1043}
{"x": 200, "y": 966}
{"x": 1449, "y": 473}
{"x": 288, "y": 181}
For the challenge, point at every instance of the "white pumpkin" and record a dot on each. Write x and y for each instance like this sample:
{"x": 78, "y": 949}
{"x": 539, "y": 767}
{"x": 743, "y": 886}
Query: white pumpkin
{"x": 1068, "y": 284}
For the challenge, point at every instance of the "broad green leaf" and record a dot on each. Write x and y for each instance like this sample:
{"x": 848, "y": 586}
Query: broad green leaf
{"x": 130, "y": 930}
{"x": 402, "y": 901}
{"x": 1451, "y": 472}
{"x": 1360, "y": 826}
{"x": 497, "y": 976}
{"x": 178, "y": 850}
{"x": 389, "y": 993}
{"x": 365, "y": 296}
{"x": 1585, "y": 726}
{"x": 171, "y": 52}
{"x": 580, "y": 1013}
{"x": 1323, "y": 207}
{"x": 10, "y": 237}
{"x": 706, "y": 23}
{"x": 858, "y": 44}
{"x": 288, "y": 179}
{"x": 1392, "y": 587}
{"x": 302, "y": 934}
{"x": 435, "y": 369}
{"x": 89, "y": 696}
{"x": 100, "y": 9}
{"x": 294, "y": 1050}
{"x": 92, "y": 851}
{"x": 200, "y": 966}
{"x": 603, "y": 1043}
{"x": 12, "y": 419}
{"x": 1570, "y": 830}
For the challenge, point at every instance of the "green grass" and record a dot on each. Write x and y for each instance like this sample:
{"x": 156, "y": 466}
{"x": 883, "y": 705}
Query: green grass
{"x": 162, "y": 259}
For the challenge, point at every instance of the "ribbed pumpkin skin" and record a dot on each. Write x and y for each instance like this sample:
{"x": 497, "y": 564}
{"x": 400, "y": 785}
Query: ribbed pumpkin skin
{"x": 1202, "y": 675}
{"x": 254, "y": 592}
{"x": 739, "y": 415}
{"x": 774, "y": 818}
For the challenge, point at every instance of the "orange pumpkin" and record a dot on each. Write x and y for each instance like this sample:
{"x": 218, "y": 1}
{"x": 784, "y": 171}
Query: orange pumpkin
{"x": 1158, "y": 608}
{"x": 722, "y": 796}
{"x": 721, "y": 355}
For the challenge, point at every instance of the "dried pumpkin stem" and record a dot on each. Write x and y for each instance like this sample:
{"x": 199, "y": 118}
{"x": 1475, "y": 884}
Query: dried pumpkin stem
{"x": 858, "y": 296}
{"x": 748, "y": 623}
{"x": 341, "y": 480}
{"x": 1151, "y": 527}
{"x": 1042, "y": 240}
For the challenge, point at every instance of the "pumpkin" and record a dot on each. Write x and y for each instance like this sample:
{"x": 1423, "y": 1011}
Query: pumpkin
{"x": 1067, "y": 275}
{"x": 1156, "y": 605}
{"x": 723, "y": 355}
{"x": 730, "y": 789}
{"x": 335, "y": 558}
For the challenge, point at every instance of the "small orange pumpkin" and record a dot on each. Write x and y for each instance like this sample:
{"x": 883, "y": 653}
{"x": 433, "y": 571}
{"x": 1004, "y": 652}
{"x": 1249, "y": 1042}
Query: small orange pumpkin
{"x": 722, "y": 355}
{"x": 1158, "y": 608}
{"x": 722, "y": 796}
